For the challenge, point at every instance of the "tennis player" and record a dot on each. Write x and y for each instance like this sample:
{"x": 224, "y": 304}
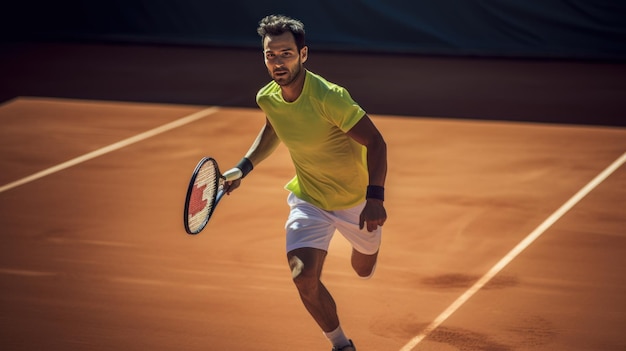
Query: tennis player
{"x": 340, "y": 160}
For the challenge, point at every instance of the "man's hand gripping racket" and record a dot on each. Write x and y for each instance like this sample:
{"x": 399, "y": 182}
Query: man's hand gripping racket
{"x": 206, "y": 189}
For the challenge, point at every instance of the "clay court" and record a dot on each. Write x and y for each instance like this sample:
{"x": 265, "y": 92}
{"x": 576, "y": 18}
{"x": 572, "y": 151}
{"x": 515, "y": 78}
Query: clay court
{"x": 503, "y": 234}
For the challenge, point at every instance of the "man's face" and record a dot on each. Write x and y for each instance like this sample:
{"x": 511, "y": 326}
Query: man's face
{"x": 282, "y": 59}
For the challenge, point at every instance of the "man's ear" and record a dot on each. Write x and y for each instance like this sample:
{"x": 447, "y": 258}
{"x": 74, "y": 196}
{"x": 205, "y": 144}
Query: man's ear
{"x": 304, "y": 54}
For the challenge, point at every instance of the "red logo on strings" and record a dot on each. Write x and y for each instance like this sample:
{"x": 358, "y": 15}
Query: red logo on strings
{"x": 197, "y": 203}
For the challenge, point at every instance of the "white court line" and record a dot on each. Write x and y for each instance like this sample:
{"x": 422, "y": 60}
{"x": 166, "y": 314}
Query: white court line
{"x": 516, "y": 251}
{"x": 113, "y": 147}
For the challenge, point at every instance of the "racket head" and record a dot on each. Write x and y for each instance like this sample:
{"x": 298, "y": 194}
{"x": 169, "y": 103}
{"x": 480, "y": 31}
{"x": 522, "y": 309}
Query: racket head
{"x": 202, "y": 195}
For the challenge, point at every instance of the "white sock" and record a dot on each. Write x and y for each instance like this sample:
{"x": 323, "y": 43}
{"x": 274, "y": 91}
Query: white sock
{"x": 337, "y": 338}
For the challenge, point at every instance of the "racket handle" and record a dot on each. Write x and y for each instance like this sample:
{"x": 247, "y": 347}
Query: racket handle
{"x": 232, "y": 174}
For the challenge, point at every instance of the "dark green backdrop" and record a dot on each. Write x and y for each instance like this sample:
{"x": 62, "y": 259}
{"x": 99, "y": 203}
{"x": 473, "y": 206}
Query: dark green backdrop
{"x": 518, "y": 28}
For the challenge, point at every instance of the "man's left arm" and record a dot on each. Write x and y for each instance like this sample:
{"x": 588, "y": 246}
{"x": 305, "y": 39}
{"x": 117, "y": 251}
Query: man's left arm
{"x": 366, "y": 133}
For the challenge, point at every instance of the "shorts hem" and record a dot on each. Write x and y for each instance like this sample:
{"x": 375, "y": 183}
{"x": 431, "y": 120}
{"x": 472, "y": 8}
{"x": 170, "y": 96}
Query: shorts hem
{"x": 307, "y": 246}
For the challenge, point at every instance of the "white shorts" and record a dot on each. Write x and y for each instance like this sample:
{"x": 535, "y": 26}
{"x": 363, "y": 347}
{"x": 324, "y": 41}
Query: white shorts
{"x": 310, "y": 226}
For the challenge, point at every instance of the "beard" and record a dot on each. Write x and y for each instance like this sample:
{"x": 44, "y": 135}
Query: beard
{"x": 289, "y": 75}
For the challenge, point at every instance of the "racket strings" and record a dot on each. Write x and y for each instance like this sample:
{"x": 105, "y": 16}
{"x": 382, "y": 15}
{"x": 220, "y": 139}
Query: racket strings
{"x": 203, "y": 195}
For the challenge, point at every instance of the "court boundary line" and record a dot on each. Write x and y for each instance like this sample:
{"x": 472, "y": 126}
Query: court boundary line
{"x": 113, "y": 147}
{"x": 511, "y": 255}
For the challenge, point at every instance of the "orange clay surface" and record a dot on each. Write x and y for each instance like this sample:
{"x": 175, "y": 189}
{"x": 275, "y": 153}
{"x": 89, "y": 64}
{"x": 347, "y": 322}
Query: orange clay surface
{"x": 95, "y": 257}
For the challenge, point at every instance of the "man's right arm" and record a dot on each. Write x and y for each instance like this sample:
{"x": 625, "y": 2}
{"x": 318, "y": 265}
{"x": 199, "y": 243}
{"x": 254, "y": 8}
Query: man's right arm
{"x": 265, "y": 143}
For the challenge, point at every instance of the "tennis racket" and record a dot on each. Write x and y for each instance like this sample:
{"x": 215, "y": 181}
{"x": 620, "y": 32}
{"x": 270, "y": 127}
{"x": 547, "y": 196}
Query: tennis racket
{"x": 205, "y": 191}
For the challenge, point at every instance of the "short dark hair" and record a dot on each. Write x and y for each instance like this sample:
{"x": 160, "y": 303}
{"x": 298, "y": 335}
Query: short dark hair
{"x": 279, "y": 24}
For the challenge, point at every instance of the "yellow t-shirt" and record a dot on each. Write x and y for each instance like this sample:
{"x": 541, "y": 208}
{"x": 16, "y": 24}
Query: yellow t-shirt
{"x": 331, "y": 167}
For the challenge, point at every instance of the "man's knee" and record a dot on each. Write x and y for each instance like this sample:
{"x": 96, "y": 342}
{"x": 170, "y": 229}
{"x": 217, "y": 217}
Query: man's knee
{"x": 364, "y": 265}
{"x": 304, "y": 277}
{"x": 365, "y": 272}
{"x": 296, "y": 265}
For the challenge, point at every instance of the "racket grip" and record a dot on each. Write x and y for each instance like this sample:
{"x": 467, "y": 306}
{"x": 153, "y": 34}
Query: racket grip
{"x": 232, "y": 174}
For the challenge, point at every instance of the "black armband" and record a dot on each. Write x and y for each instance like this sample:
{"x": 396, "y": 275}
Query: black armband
{"x": 245, "y": 166}
{"x": 375, "y": 192}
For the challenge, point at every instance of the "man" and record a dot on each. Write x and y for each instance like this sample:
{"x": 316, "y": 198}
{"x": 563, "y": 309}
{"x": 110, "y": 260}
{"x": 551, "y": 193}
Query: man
{"x": 340, "y": 160}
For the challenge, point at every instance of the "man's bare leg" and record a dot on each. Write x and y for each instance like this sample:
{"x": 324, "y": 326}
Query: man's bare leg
{"x": 364, "y": 265}
{"x": 306, "y": 267}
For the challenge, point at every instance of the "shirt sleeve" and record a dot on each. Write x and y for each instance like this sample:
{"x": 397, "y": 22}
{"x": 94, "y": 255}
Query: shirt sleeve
{"x": 341, "y": 109}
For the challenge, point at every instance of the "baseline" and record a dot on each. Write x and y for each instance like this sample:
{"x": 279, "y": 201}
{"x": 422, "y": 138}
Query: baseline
{"x": 113, "y": 147}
